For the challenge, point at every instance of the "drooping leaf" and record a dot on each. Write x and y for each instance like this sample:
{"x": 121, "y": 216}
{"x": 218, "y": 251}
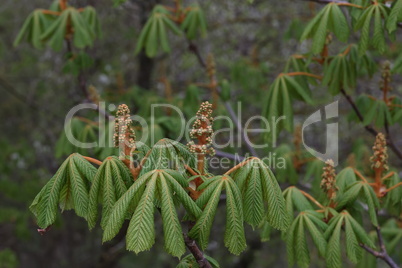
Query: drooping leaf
{"x": 69, "y": 187}
{"x": 377, "y": 14}
{"x": 109, "y": 184}
{"x": 259, "y": 188}
{"x": 330, "y": 18}
{"x": 194, "y": 22}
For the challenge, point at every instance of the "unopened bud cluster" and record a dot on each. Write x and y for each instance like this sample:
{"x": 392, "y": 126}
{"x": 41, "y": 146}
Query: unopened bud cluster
{"x": 202, "y": 131}
{"x": 93, "y": 95}
{"x": 211, "y": 70}
{"x": 123, "y": 133}
{"x": 328, "y": 39}
{"x": 328, "y": 182}
{"x": 385, "y": 76}
{"x": 380, "y": 155}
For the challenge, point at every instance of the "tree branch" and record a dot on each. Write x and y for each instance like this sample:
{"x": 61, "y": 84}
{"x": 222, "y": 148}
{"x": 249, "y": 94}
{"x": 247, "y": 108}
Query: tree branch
{"x": 196, "y": 252}
{"x": 380, "y": 254}
{"x": 369, "y": 128}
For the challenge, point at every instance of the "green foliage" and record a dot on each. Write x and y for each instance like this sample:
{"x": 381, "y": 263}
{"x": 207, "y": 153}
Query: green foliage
{"x": 330, "y": 18}
{"x": 297, "y": 248}
{"x": 141, "y": 234}
{"x": 373, "y": 14}
{"x": 354, "y": 234}
{"x": 190, "y": 262}
{"x": 56, "y": 26}
{"x": 68, "y": 188}
{"x": 295, "y": 200}
{"x": 283, "y": 91}
{"x": 168, "y": 154}
{"x": 110, "y": 182}
{"x": 194, "y": 23}
{"x": 8, "y": 259}
{"x": 33, "y": 28}
{"x": 364, "y": 191}
{"x": 339, "y": 73}
{"x": 234, "y": 237}
{"x": 155, "y": 32}
{"x": 260, "y": 189}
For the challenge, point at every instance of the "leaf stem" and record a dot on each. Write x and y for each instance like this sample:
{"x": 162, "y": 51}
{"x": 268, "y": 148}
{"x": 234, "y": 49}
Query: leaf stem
{"x": 93, "y": 160}
{"x": 387, "y": 176}
{"x": 392, "y": 188}
{"x": 360, "y": 175}
{"x": 349, "y": 5}
{"x": 50, "y": 12}
{"x": 319, "y": 77}
{"x": 239, "y": 165}
{"x": 312, "y": 199}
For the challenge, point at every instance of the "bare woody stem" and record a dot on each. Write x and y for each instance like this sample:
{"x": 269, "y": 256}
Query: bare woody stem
{"x": 369, "y": 128}
{"x": 382, "y": 254}
{"x": 196, "y": 252}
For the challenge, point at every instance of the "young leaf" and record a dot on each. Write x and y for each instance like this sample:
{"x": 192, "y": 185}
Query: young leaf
{"x": 330, "y": 18}
{"x": 109, "y": 184}
{"x": 254, "y": 178}
{"x": 202, "y": 227}
{"x": 194, "y": 22}
{"x": 73, "y": 176}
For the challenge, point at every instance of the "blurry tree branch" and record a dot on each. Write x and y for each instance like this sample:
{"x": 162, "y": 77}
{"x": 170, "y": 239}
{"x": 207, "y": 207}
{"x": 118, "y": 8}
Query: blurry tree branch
{"x": 369, "y": 128}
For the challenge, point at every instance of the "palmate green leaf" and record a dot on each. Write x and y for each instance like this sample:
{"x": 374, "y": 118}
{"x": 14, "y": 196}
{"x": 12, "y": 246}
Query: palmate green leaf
{"x": 168, "y": 154}
{"x": 259, "y": 188}
{"x": 377, "y": 13}
{"x": 281, "y": 94}
{"x": 354, "y": 235}
{"x": 393, "y": 199}
{"x": 69, "y": 187}
{"x": 190, "y": 262}
{"x": 154, "y": 32}
{"x": 34, "y": 26}
{"x": 202, "y": 227}
{"x": 174, "y": 241}
{"x": 168, "y": 186}
{"x": 119, "y": 211}
{"x": 364, "y": 191}
{"x": 296, "y": 237}
{"x": 394, "y": 16}
{"x": 295, "y": 200}
{"x": 194, "y": 22}
{"x": 339, "y": 73}
{"x": 234, "y": 237}
{"x": 344, "y": 179}
{"x": 141, "y": 232}
{"x": 109, "y": 184}
{"x": 330, "y": 18}
{"x": 378, "y": 114}
{"x": 333, "y": 253}
{"x": 91, "y": 17}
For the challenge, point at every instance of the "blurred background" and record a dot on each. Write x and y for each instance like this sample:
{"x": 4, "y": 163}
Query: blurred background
{"x": 250, "y": 43}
